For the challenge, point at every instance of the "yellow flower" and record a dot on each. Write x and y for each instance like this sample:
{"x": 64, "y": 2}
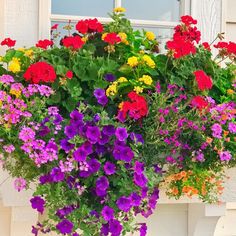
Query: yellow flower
{"x": 14, "y": 65}
{"x": 112, "y": 89}
{"x": 150, "y": 35}
{"x": 119, "y": 10}
{"x": 15, "y": 92}
{"x": 122, "y": 80}
{"x": 146, "y": 79}
{"x": 138, "y": 89}
{"x": 85, "y": 38}
{"x": 120, "y": 105}
{"x": 29, "y": 53}
{"x": 132, "y": 61}
{"x": 104, "y": 35}
{"x": 123, "y": 37}
{"x": 1, "y": 59}
{"x": 230, "y": 91}
{"x": 21, "y": 49}
{"x": 148, "y": 60}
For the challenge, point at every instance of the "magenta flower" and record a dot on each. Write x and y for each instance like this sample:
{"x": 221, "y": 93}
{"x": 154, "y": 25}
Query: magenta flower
{"x": 115, "y": 227}
{"x": 121, "y": 134}
{"x": 225, "y": 156}
{"x": 107, "y": 213}
{"x": 80, "y": 154}
{"x": 124, "y": 203}
{"x": 37, "y": 203}
{"x": 65, "y": 227}
{"x": 232, "y": 127}
{"x": 109, "y": 168}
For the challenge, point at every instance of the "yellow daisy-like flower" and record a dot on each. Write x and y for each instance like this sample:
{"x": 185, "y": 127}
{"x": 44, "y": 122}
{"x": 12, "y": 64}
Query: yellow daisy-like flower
{"x": 29, "y": 53}
{"x": 111, "y": 90}
{"x": 104, "y": 35}
{"x": 85, "y": 38}
{"x": 138, "y": 89}
{"x": 14, "y": 65}
{"x": 15, "y": 92}
{"x": 148, "y": 60}
{"x": 146, "y": 79}
{"x": 122, "y": 80}
{"x": 230, "y": 91}
{"x": 150, "y": 35}
{"x": 132, "y": 61}
{"x": 123, "y": 37}
{"x": 21, "y": 49}
{"x": 119, "y": 10}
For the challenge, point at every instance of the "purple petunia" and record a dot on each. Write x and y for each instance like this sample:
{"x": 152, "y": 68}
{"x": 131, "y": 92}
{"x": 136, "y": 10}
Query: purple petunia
{"x": 225, "y": 156}
{"x": 124, "y": 203}
{"x": 143, "y": 229}
{"x": 104, "y": 230}
{"x": 137, "y": 138}
{"x": 102, "y": 183}
{"x": 80, "y": 154}
{"x": 109, "y": 130}
{"x": 66, "y": 145}
{"x": 93, "y": 134}
{"x": 216, "y": 131}
{"x": 107, "y": 213}
{"x": 37, "y": 203}
{"x": 61, "y": 213}
{"x": 57, "y": 175}
{"x": 70, "y": 131}
{"x": 135, "y": 199}
{"x": 123, "y": 153}
{"x": 65, "y": 227}
{"x": 76, "y": 117}
{"x": 121, "y": 134}
{"x": 232, "y": 127}
{"x": 138, "y": 167}
{"x": 115, "y": 227}
{"x": 109, "y": 77}
{"x": 109, "y": 168}
{"x": 140, "y": 180}
{"x": 100, "y": 96}
{"x": 94, "y": 165}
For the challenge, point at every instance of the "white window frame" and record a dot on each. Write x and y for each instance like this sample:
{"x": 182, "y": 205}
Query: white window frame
{"x": 45, "y": 18}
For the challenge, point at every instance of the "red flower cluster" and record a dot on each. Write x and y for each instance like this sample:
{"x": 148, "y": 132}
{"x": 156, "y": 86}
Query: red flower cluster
{"x": 137, "y": 108}
{"x": 69, "y": 74}
{"x": 112, "y": 38}
{"x": 226, "y": 49}
{"x": 44, "y": 44}
{"x": 207, "y": 46}
{"x": 40, "y": 72}
{"x": 89, "y": 26}
{"x": 199, "y": 102}
{"x": 184, "y": 37}
{"x": 8, "y": 42}
{"x": 204, "y": 82}
{"x": 74, "y": 42}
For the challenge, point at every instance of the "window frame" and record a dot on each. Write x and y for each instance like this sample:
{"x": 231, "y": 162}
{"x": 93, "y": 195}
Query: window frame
{"x": 45, "y": 18}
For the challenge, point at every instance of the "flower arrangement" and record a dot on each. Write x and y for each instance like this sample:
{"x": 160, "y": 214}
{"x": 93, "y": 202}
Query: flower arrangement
{"x": 99, "y": 123}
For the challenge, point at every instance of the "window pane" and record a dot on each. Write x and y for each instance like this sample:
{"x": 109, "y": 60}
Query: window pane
{"x": 82, "y": 7}
{"x": 163, "y": 10}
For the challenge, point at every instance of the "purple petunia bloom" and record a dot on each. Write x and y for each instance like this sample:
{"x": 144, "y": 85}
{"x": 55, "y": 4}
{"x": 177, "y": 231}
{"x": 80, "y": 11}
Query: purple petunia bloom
{"x": 80, "y": 154}
{"x": 57, "y": 175}
{"x": 103, "y": 100}
{"x": 124, "y": 203}
{"x": 104, "y": 139}
{"x": 102, "y": 183}
{"x": 66, "y": 146}
{"x": 70, "y": 131}
{"x": 121, "y": 134}
{"x": 153, "y": 199}
{"x": 76, "y": 117}
{"x": 109, "y": 130}
{"x": 225, "y": 156}
{"x": 65, "y": 227}
{"x": 216, "y": 130}
{"x": 107, "y": 213}
{"x": 109, "y": 168}
{"x": 123, "y": 153}
{"x": 109, "y": 77}
{"x": 232, "y": 127}
{"x": 94, "y": 165}
{"x": 94, "y": 213}
{"x": 140, "y": 180}
{"x": 43, "y": 131}
{"x": 135, "y": 199}
{"x": 61, "y": 213}
{"x": 104, "y": 230}
{"x": 44, "y": 179}
{"x": 96, "y": 118}
{"x": 138, "y": 167}
{"x": 93, "y": 134}
{"x": 99, "y": 93}
{"x": 57, "y": 119}
{"x": 143, "y": 229}
{"x": 37, "y": 203}
{"x": 137, "y": 138}
{"x": 100, "y": 192}
{"x": 115, "y": 227}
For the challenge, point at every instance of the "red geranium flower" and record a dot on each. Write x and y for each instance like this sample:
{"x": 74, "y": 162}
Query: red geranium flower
{"x": 112, "y": 38}
{"x": 44, "y": 43}
{"x": 199, "y": 102}
{"x": 204, "y": 82}
{"x": 206, "y": 45}
{"x": 89, "y": 26}
{"x": 188, "y": 20}
{"x": 69, "y": 74}
{"x": 137, "y": 108}
{"x": 8, "y": 42}
{"x": 74, "y": 42}
{"x": 54, "y": 27}
{"x": 40, "y": 72}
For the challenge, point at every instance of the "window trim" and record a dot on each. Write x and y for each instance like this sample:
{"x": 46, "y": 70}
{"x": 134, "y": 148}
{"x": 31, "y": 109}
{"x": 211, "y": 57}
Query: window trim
{"x": 45, "y": 18}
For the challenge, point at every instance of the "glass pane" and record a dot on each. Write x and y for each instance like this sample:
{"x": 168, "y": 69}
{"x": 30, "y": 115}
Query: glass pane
{"x": 163, "y": 10}
{"x": 82, "y": 7}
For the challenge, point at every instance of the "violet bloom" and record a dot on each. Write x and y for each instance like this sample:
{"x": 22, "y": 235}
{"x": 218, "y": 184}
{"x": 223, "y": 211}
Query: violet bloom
{"x": 44, "y": 179}
{"x": 124, "y": 203}
{"x": 76, "y": 117}
{"x": 94, "y": 165}
{"x": 123, "y": 153}
{"x": 96, "y": 118}
{"x": 109, "y": 168}
{"x": 153, "y": 199}
{"x": 57, "y": 175}
{"x": 104, "y": 139}
{"x": 70, "y": 131}
{"x": 232, "y": 127}
{"x": 121, "y": 134}
{"x": 26, "y": 134}
{"x": 138, "y": 167}
{"x": 216, "y": 130}
{"x": 93, "y": 134}
{"x": 37, "y": 203}
{"x": 109, "y": 77}
{"x": 137, "y": 138}
{"x": 107, "y": 213}
{"x": 20, "y": 184}
{"x": 43, "y": 131}
{"x": 225, "y": 156}
{"x": 66, "y": 145}
{"x": 104, "y": 230}
{"x": 80, "y": 154}
{"x": 65, "y": 227}
{"x": 102, "y": 183}
{"x": 135, "y": 199}
{"x": 140, "y": 180}
{"x": 57, "y": 119}
{"x": 103, "y": 101}
{"x": 88, "y": 148}
{"x": 143, "y": 229}
{"x": 99, "y": 93}
{"x": 200, "y": 157}
{"x": 109, "y": 130}
{"x": 61, "y": 213}
{"x": 115, "y": 227}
